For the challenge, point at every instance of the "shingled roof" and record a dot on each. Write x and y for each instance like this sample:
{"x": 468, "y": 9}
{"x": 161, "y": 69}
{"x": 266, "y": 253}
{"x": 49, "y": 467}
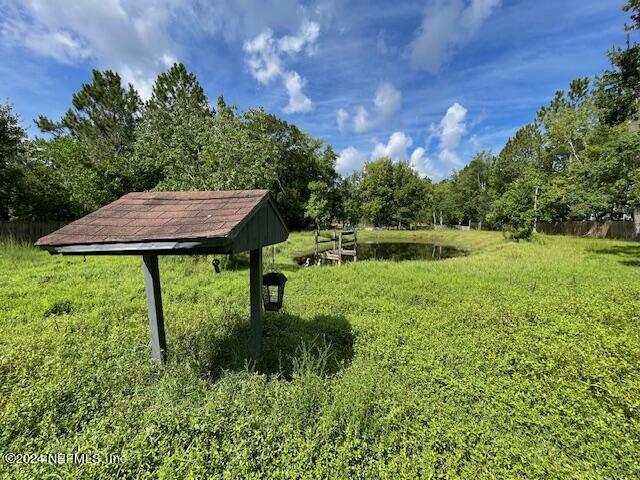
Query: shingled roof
{"x": 171, "y": 222}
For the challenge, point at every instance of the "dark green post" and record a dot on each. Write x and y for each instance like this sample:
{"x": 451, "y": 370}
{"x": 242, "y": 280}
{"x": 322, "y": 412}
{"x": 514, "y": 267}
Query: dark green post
{"x": 255, "y": 295}
{"x": 154, "y": 305}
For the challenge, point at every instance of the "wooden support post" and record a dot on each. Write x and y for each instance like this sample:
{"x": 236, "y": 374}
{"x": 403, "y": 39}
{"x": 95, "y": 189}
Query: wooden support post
{"x": 255, "y": 294}
{"x": 355, "y": 245}
{"x": 154, "y": 305}
{"x": 340, "y": 248}
{"x": 315, "y": 243}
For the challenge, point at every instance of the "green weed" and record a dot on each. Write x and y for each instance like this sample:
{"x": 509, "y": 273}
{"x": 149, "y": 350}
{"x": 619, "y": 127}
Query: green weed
{"x": 520, "y": 360}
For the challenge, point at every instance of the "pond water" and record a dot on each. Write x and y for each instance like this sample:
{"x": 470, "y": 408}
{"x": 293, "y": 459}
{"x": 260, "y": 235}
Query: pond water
{"x": 395, "y": 251}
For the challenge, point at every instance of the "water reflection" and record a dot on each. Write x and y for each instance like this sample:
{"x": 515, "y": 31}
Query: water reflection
{"x": 393, "y": 251}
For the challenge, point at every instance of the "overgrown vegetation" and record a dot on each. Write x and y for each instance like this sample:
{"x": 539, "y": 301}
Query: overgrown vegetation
{"x": 519, "y": 360}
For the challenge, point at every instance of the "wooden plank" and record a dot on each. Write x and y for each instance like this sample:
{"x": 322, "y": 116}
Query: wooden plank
{"x": 154, "y": 306}
{"x": 255, "y": 294}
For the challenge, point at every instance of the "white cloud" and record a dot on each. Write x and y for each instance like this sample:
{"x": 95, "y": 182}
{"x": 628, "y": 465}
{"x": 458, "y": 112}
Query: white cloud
{"x": 307, "y": 37}
{"x": 422, "y": 164}
{"x": 342, "y": 117}
{"x": 450, "y": 131}
{"x": 387, "y": 101}
{"x": 386, "y": 104}
{"x": 137, "y": 37}
{"x": 475, "y": 142}
{"x": 298, "y": 101}
{"x": 237, "y": 20}
{"x": 447, "y": 24}
{"x": 396, "y": 147}
{"x": 381, "y": 43}
{"x": 264, "y": 58}
{"x": 449, "y": 158}
{"x": 361, "y": 121}
{"x": 453, "y": 126}
{"x": 131, "y": 38}
{"x": 349, "y": 160}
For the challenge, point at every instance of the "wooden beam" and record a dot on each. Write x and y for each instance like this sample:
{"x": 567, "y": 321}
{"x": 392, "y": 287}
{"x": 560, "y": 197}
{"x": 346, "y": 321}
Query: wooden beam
{"x": 154, "y": 305}
{"x": 255, "y": 294}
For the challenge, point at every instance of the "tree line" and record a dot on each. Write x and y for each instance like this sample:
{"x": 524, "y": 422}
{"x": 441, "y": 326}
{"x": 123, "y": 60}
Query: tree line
{"x": 578, "y": 160}
{"x": 109, "y": 143}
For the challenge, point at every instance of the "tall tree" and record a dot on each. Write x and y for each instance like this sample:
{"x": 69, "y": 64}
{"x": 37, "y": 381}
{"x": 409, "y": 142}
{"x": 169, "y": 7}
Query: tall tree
{"x": 391, "y": 193}
{"x": 618, "y": 88}
{"x": 12, "y": 147}
{"x": 300, "y": 160}
{"x": 521, "y": 151}
{"x": 175, "y": 125}
{"x": 102, "y": 119}
{"x": 472, "y": 185}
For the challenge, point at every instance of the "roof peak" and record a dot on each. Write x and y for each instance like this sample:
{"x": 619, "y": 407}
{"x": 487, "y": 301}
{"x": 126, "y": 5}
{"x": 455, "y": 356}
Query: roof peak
{"x": 196, "y": 195}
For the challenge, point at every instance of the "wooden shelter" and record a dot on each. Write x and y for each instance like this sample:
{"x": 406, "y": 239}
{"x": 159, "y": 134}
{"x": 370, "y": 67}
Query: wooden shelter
{"x": 178, "y": 223}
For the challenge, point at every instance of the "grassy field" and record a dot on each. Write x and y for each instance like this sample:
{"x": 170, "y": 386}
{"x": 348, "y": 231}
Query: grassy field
{"x": 518, "y": 360}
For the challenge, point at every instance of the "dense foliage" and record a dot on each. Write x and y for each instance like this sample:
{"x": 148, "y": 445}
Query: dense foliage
{"x": 516, "y": 361}
{"x": 110, "y": 143}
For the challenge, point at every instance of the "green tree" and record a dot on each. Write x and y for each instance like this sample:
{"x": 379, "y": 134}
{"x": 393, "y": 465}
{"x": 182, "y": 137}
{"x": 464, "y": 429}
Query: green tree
{"x": 472, "y": 186}
{"x": 12, "y": 149}
{"x": 633, "y": 6}
{"x": 103, "y": 119}
{"x": 346, "y": 205}
{"x": 300, "y": 160}
{"x": 618, "y": 88}
{"x": 523, "y": 150}
{"x": 377, "y": 192}
{"x": 391, "y": 193}
{"x": 601, "y": 184}
{"x": 175, "y": 127}
{"x": 566, "y": 122}
{"x": 319, "y": 205}
{"x": 410, "y": 195}
{"x": 446, "y": 204}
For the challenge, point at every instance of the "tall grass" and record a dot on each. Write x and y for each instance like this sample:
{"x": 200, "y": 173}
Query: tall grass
{"x": 518, "y": 360}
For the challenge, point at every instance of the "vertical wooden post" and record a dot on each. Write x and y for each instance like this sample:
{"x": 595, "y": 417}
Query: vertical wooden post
{"x": 255, "y": 295}
{"x": 315, "y": 243}
{"x": 154, "y": 305}
{"x": 340, "y": 248}
{"x": 355, "y": 245}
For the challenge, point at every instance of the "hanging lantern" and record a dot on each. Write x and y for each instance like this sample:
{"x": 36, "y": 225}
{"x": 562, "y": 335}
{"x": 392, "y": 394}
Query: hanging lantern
{"x": 273, "y": 290}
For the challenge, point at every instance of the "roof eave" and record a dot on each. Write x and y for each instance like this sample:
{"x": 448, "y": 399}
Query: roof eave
{"x": 163, "y": 247}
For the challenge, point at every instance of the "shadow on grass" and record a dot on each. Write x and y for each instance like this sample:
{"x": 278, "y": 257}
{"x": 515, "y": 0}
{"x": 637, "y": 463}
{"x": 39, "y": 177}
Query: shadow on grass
{"x": 627, "y": 254}
{"x": 290, "y": 344}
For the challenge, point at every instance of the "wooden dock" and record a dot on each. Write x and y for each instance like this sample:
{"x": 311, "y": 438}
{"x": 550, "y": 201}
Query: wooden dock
{"x": 344, "y": 244}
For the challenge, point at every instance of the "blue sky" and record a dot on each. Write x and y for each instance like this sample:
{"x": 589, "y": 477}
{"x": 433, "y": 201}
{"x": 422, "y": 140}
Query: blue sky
{"x": 432, "y": 81}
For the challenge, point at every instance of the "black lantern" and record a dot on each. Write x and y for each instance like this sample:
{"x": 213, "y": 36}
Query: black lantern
{"x": 273, "y": 290}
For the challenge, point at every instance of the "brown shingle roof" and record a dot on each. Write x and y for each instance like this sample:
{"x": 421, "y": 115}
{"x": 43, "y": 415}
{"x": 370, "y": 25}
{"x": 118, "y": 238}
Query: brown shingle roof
{"x": 157, "y": 216}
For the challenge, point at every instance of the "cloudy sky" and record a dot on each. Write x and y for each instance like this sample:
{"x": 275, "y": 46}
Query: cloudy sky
{"x": 432, "y": 81}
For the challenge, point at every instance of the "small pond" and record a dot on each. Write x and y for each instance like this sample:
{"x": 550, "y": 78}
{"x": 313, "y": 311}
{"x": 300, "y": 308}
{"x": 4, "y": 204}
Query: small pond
{"x": 395, "y": 251}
